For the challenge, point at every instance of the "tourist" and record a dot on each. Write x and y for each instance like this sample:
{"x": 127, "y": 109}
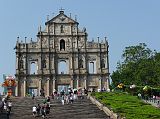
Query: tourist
{"x": 8, "y": 112}
{"x": 5, "y": 106}
{"x": 47, "y": 109}
{"x": 33, "y": 95}
{"x": 86, "y": 92}
{"x": 38, "y": 109}
{"x": 52, "y": 94}
{"x": 1, "y": 106}
{"x": 70, "y": 91}
{"x": 42, "y": 92}
{"x": 67, "y": 99}
{"x": 79, "y": 94}
{"x": 34, "y": 109}
{"x": 62, "y": 99}
{"x": 154, "y": 98}
{"x": 43, "y": 112}
{"x": 158, "y": 104}
{"x": 139, "y": 96}
{"x": 62, "y": 93}
{"x": 71, "y": 98}
{"x": 104, "y": 89}
{"x": 9, "y": 105}
{"x": 75, "y": 94}
{"x": 48, "y": 99}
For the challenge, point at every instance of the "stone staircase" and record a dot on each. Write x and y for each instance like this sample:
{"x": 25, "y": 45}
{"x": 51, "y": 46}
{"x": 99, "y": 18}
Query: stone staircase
{"x": 80, "y": 109}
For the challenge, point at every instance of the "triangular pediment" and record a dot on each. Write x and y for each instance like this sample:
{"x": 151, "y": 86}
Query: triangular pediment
{"x": 61, "y": 18}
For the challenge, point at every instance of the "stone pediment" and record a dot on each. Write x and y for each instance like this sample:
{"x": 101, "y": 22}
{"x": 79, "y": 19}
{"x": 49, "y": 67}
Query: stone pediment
{"x": 61, "y": 18}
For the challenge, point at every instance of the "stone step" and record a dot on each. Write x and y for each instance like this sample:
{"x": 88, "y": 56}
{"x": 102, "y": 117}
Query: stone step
{"x": 80, "y": 109}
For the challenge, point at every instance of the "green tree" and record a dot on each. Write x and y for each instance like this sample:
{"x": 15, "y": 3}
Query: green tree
{"x": 136, "y": 53}
{"x": 139, "y": 66}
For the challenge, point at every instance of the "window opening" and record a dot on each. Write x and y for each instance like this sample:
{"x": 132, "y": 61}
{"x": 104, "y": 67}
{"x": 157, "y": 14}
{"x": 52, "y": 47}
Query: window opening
{"x": 92, "y": 67}
{"x": 33, "y": 68}
{"x": 62, "y": 45}
{"x": 63, "y": 67}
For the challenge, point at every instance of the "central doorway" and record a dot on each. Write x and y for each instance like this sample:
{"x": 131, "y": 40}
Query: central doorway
{"x": 63, "y": 88}
{"x": 31, "y": 89}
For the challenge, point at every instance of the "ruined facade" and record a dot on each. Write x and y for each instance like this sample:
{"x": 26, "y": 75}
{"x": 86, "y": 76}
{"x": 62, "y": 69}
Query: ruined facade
{"x": 62, "y": 57}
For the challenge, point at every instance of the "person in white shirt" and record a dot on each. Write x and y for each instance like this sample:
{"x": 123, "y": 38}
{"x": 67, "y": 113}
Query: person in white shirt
{"x": 5, "y": 107}
{"x": 34, "y": 110}
{"x": 9, "y": 105}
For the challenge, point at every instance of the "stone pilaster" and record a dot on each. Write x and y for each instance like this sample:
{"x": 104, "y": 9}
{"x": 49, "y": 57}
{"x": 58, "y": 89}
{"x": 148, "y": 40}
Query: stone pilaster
{"x": 71, "y": 83}
{"x": 48, "y": 81}
{"x": 54, "y": 84}
{"x": 107, "y": 85}
{"x": 100, "y": 83}
{"x": 77, "y": 83}
{"x": 40, "y": 86}
{"x": 85, "y": 83}
{"x": 25, "y": 87}
{"x": 16, "y": 90}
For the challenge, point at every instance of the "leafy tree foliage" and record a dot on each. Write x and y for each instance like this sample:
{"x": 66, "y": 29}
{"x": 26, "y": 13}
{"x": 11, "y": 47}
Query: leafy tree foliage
{"x": 140, "y": 66}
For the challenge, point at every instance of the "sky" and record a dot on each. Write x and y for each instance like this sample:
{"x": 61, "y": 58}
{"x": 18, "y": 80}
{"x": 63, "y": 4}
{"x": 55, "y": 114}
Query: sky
{"x": 123, "y": 22}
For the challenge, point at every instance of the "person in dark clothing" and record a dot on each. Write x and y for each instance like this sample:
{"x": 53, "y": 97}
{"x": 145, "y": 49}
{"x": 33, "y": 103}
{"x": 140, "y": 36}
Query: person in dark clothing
{"x": 42, "y": 92}
{"x": 38, "y": 109}
{"x": 8, "y": 113}
{"x": 43, "y": 112}
{"x": 47, "y": 109}
{"x": 48, "y": 99}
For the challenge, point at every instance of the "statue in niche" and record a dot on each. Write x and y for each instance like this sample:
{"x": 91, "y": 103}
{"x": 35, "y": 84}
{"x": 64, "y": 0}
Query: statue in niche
{"x": 80, "y": 63}
{"x": 44, "y": 63}
{"x": 62, "y": 29}
{"x": 103, "y": 63}
{"x": 21, "y": 64}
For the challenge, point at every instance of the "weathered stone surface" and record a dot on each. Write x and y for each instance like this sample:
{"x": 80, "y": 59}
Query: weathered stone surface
{"x": 62, "y": 41}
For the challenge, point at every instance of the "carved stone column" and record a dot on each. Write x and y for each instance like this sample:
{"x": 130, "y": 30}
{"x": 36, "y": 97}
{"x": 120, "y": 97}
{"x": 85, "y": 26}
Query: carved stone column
{"x": 107, "y": 81}
{"x": 54, "y": 84}
{"x": 100, "y": 83}
{"x": 85, "y": 83}
{"x": 16, "y": 90}
{"x": 48, "y": 81}
{"x": 39, "y": 86}
{"x": 77, "y": 83}
{"x": 71, "y": 83}
{"x": 25, "y": 87}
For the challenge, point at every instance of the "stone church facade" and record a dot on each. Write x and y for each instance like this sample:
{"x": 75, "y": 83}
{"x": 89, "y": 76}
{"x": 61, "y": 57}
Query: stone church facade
{"x": 61, "y": 58}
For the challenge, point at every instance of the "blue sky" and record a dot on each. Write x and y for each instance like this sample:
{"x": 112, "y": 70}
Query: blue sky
{"x": 124, "y": 22}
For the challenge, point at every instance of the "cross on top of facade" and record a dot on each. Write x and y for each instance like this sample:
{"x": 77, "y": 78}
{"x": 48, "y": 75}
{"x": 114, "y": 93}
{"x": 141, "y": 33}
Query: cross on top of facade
{"x": 61, "y": 10}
